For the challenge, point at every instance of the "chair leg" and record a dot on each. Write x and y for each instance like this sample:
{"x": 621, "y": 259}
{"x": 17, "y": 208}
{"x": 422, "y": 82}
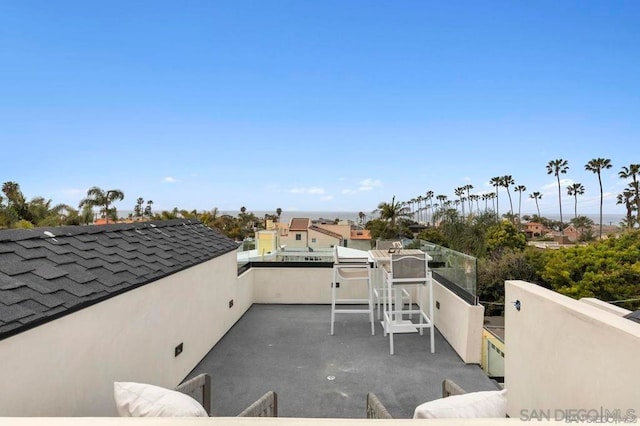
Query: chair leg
{"x": 371, "y": 319}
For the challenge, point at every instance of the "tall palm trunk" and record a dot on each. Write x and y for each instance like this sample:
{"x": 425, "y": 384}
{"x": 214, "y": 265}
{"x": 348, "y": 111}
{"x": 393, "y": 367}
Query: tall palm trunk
{"x": 560, "y": 204}
{"x": 601, "y": 197}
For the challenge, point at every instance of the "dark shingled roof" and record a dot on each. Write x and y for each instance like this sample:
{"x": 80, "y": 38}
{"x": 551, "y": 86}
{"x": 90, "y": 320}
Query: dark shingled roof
{"x": 46, "y": 273}
{"x": 634, "y": 316}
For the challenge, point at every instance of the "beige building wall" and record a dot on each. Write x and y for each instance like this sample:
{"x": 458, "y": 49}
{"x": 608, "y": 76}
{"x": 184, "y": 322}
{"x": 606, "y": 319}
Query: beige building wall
{"x": 320, "y": 240}
{"x": 563, "y": 354}
{"x": 300, "y": 286}
{"x": 290, "y": 239}
{"x": 67, "y": 367}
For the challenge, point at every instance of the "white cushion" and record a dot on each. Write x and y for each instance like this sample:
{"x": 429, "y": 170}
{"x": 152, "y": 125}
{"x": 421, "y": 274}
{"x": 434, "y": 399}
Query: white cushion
{"x": 142, "y": 400}
{"x": 468, "y": 405}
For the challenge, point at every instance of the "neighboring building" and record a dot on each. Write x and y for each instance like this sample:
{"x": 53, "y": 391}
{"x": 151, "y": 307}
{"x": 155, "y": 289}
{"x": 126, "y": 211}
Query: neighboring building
{"x": 302, "y": 233}
{"x": 360, "y": 239}
{"x": 572, "y": 233}
{"x": 296, "y": 234}
{"x": 533, "y": 229}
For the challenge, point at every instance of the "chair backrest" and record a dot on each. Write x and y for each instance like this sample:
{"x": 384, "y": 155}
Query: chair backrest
{"x": 375, "y": 409}
{"x": 409, "y": 268}
{"x": 199, "y": 388}
{"x": 387, "y": 244}
{"x": 265, "y": 406}
{"x": 450, "y": 388}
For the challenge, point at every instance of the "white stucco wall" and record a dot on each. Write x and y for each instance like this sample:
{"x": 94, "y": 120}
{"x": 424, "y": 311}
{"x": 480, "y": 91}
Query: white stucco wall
{"x": 301, "y": 285}
{"x": 564, "y": 354}
{"x": 459, "y": 323}
{"x": 67, "y": 367}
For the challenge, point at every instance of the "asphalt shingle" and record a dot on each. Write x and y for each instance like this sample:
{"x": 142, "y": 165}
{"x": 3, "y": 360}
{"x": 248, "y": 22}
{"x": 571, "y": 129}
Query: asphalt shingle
{"x": 44, "y": 277}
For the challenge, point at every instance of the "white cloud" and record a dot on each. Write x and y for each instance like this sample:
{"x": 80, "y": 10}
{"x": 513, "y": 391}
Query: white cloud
{"x": 563, "y": 184}
{"x": 327, "y": 198}
{"x": 169, "y": 179}
{"x": 368, "y": 184}
{"x": 316, "y": 190}
{"x": 310, "y": 191}
{"x": 349, "y": 191}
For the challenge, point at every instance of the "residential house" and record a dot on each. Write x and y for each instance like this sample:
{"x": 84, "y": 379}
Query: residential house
{"x": 533, "y": 229}
{"x": 82, "y": 307}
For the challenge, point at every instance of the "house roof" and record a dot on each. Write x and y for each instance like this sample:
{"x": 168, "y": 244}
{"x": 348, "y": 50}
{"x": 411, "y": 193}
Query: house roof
{"x": 299, "y": 224}
{"x": 46, "y": 273}
{"x": 325, "y": 231}
{"x": 634, "y": 316}
{"x": 360, "y": 234}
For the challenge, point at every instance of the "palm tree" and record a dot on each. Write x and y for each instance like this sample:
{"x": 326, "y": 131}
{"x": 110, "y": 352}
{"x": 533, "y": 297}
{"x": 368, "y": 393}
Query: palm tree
{"x": 582, "y": 222}
{"x": 476, "y": 198}
{"x": 506, "y": 181}
{"x": 536, "y": 196}
{"x": 520, "y": 189}
{"x": 557, "y": 167}
{"x": 574, "y": 190}
{"x": 596, "y": 166}
{"x": 625, "y": 198}
{"x": 147, "y": 209}
{"x": 632, "y": 172}
{"x": 496, "y": 181}
{"x": 469, "y": 187}
{"x": 279, "y": 213}
{"x": 97, "y": 197}
{"x": 138, "y": 207}
{"x": 391, "y": 212}
{"x": 460, "y": 192}
{"x": 442, "y": 198}
{"x": 429, "y": 196}
{"x": 361, "y": 215}
{"x": 485, "y": 198}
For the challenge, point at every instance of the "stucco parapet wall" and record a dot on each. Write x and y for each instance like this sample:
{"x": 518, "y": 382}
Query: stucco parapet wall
{"x": 587, "y": 311}
{"x": 616, "y": 310}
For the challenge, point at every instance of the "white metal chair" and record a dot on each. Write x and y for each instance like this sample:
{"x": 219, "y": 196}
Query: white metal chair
{"x": 388, "y": 244}
{"x": 407, "y": 270}
{"x": 379, "y": 288}
{"x": 351, "y": 270}
{"x": 380, "y": 295}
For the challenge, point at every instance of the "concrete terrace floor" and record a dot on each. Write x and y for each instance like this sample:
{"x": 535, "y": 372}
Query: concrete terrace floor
{"x": 288, "y": 349}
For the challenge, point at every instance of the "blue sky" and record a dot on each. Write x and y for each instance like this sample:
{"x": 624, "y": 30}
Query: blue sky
{"x": 316, "y": 105}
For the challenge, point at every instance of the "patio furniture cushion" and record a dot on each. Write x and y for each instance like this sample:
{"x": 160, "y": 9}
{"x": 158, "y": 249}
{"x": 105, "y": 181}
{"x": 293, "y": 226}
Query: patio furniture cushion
{"x": 143, "y": 400}
{"x": 469, "y": 405}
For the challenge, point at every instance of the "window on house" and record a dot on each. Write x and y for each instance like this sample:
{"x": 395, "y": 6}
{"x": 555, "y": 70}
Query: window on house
{"x": 313, "y": 240}
{"x": 298, "y": 237}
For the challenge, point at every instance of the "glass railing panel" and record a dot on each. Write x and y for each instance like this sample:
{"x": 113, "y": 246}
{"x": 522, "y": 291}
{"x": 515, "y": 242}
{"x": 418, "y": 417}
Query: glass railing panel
{"x": 458, "y": 268}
